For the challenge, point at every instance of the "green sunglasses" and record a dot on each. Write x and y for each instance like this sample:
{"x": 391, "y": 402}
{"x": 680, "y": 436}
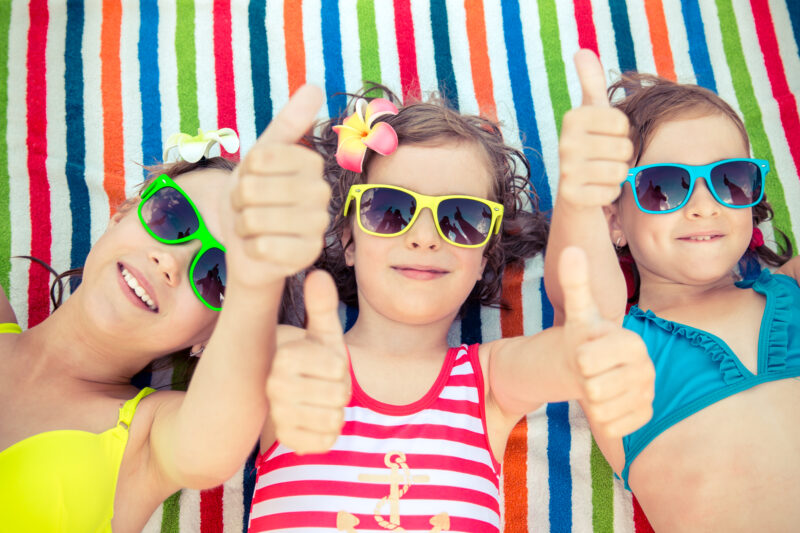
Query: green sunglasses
{"x": 170, "y": 216}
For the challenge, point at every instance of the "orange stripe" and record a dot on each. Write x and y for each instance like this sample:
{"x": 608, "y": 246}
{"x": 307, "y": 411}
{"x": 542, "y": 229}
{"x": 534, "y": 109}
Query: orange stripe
{"x": 479, "y": 58}
{"x": 295, "y": 48}
{"x": 111, "y": 87}
{"x": 515, "y": 485}
{"x": 659, "y": 38}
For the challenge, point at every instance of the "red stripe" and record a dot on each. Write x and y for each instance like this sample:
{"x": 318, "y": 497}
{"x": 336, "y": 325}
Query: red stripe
{"x": 329, "y": 520}
{"x": 295, "y": 46}
{"x": 587, "y": 36}
{"x": 415, "y": 431}
{"x": 659, "y": 39}
{"x": 111, "y": 89}
{"x": 211, "y": 510}
{"x": 639, "y": 519}
{"x": 406, "y": 50}
{"x": 787, "y": 104}
{"x": 39, "y": 187}
{"x": 223, "y": 59}
{"x": 479, "y": 59}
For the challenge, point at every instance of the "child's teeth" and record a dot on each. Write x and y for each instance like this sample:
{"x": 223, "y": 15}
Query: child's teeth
{"x": 140, "y": 292}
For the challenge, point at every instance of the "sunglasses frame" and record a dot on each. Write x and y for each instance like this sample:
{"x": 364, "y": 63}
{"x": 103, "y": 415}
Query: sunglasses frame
{"x": 423, "y": 200}
{"x": 697, "y": 172}
{"x": 207, "y": 241}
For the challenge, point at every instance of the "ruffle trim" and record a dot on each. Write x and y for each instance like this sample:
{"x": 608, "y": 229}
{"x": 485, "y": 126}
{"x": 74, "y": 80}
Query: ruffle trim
{"x": 778, "y": 345}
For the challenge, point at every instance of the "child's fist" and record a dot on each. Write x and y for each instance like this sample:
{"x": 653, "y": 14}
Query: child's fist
{"x": 278, "y": 200}
{"x": 615, "y": 373}
{"x": 309, "y": 384}
{"x": 594, "y": 149}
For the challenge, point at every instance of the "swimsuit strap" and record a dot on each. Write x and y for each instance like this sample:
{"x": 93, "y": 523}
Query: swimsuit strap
{"x": 10, "y": 327}
{"x": 126, "y": 411}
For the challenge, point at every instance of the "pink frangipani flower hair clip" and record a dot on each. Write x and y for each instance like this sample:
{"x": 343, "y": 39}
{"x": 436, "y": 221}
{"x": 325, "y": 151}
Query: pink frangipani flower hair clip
{"x": 357, "y": 133}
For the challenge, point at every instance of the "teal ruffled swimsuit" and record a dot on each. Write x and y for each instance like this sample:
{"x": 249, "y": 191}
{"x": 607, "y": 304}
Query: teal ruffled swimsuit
{"x": 695, "y": 369}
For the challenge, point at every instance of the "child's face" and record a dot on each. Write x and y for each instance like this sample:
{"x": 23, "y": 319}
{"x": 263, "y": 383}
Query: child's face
{"x": 417, "y": 277}
{"x": 702, "y": 241}
{"x": 180, "y": 319}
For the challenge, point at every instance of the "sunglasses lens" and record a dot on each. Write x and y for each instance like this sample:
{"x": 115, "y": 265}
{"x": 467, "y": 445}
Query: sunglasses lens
{"x": 662, "y": 188}
{"x": 737, "y": 183}
{"x": 169, "y": 215}
{"x": 464, "y": 221}
{"x": 386, "y": 211}
{"x": 209, "y": 276}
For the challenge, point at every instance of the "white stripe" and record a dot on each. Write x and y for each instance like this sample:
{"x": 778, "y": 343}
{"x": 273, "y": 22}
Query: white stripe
{"x": 623, "y": 508}
{"x": 93, "y": 116}
{"x": 469, "y": 394}
{"x": 276, "y": 44}
{"x": 387, "y": 47}
{"x": 641, "y": 36}
{"x": 367, "y": 506}
{"x": 153, "y": 524}
{"x": 423, "y": 38}
{"x": 491, "y": 327}
{"x": 16, "y": 139}
{"x": 312, "y": 37}
{"x": 606, "y": 45}
{"x": 351, "y": 473}
{"x": 501, "y": 81}
{"x": 189, "y": 517}
{"x": 580, "y": 468}
{"x": 205, "y": 69}
{"x": 428, "y": 416}
{"x": 532, "y": 295}
{"x": 568, "y": 32}
{"x": 413, "y": 446}
{"x": 131, "y": 97}
{"x": 679, "y": 41}
{"x": 243, "y": 79}
{"x": 351, "y": 45}
{"x": 168, "y": 73}
{"x": 56, "y": 116}
{"x": 233, "y": 502}
{"x": 538, "y": 471}
{"x": 786, "y": 44}
{"x": 459, "y": 50}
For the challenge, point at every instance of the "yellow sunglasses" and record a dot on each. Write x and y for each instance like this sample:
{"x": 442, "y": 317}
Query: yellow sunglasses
{"x": 388, "y": 211}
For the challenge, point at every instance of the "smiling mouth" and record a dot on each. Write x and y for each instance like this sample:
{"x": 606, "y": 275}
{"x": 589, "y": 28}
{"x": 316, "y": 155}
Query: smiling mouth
{"x": 137, "y": 289}
{"x": 421, "y": 273}
{"x": 701, "y": 238}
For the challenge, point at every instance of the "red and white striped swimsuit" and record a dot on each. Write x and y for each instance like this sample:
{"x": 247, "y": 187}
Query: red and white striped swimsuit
{"x": 426, "y": 466}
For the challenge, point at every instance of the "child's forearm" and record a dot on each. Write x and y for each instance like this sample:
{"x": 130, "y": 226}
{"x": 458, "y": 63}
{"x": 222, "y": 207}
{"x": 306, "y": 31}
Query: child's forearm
{"x": 585, "y": 227}
{"x": 220, "y": 418}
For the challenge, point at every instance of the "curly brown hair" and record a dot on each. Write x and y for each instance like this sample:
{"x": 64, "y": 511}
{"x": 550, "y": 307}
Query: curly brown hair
{"x": 433, "y": 122}
{"x": 649, "y": 101}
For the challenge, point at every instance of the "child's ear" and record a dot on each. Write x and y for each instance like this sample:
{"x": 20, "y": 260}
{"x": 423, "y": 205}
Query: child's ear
{"x": 348, "y": 245}
{"x": 115, "y": 218}
{"x": 614, "y": 226}
{"x": 483, "y": 267}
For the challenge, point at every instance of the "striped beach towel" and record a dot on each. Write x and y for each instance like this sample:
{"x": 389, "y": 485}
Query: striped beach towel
{"x": 89, "y": 90}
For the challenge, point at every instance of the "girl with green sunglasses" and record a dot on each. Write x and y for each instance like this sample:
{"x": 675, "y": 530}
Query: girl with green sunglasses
{"x": 196, "y": 263}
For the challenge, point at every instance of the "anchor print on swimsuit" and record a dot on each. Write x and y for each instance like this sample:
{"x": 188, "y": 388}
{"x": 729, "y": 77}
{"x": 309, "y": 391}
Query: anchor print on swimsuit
{"x": 347, "y": 522}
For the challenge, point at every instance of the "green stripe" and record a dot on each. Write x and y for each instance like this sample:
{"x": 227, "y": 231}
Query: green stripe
{"x": 5, "y": 214}
{"x": 602, "y": 492}
{"x": 753, "y": 120}
{"x": 187, "y": 74}
{"x": 368, "y": 36}
{"x": 554, "y": 63}
{"x": 172, "y": 510}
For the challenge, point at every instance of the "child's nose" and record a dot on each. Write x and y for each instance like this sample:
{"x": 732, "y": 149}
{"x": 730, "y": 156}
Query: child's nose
{"x": 172, "y": 261}
{"x": 423, "y": 234}
{"x": 702, "y": 203}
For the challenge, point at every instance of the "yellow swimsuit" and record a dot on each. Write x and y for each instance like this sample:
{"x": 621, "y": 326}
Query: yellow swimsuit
{"x": 64, "y": 480}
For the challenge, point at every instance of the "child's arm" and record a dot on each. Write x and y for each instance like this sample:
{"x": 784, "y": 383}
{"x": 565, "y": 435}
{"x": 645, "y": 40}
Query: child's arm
{"x": 6, "y": 312}
{"x": 274, "y": 218}
{"x": 309, "y": 384}
{"x": 594, "y": 151}
{"x": 791, "y": 268}
{"x": 589, "y": 358}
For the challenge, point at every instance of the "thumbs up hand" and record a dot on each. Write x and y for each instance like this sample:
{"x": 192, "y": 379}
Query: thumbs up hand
{"x": 309, "y": 384}
{"x": 594, "y": 148}
{"x": 276, "y": 209}
{"x": 611, "y": 364}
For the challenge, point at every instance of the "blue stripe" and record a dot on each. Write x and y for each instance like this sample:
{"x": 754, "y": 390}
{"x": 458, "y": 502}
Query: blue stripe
{"x": 332, "y": 55}
{"x": 698, "y": 50}
{"x": 351, "y": 315}
{"x": 441, "y": 53}
{"x": 622, "y": 35}
{"x": 148, "y": 82}
{"x": 523, "y": 102}
{"x": 471, "y": 324}
{"x": 76, "y": 141}
{"x": 248, "y": 486}
{"x": 559, "y": 477}
{"x": 259, "y": 63}
{"x": 793, "y": 6}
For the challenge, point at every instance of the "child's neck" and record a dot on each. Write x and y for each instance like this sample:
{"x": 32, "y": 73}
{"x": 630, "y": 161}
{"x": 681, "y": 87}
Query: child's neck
{"x": 659, "y": 294}
{"x": 376, "y": 332}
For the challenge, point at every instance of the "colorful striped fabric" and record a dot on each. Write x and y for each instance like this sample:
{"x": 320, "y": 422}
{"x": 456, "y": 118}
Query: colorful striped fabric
{"x": 90, "y": 90}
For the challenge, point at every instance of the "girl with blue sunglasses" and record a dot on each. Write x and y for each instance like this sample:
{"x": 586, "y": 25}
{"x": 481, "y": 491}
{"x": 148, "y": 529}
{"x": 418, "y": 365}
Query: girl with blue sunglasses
{"x": 196, "y": 262}
{"x": 666, "y": 172}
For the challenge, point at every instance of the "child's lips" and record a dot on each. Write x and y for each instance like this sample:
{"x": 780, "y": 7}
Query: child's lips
{"x": 420, "y": 272}
{"x": 708, "y": 236}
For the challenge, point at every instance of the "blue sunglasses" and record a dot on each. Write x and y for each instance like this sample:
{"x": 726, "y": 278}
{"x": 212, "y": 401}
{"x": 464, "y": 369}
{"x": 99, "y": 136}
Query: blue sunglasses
{"x": 666, "y": 187}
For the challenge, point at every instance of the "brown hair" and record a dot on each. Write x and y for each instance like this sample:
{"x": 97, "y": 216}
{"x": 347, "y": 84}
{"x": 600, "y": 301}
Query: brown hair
{"x": 433, "y": 122}
{"x": 649, "y": 101}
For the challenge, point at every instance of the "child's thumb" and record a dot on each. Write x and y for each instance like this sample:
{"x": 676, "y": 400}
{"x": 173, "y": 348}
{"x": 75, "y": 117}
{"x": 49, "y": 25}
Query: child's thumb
{"x": 592, "y": 78}
{"x": 573, "y": 274}
{"x": 296, "y": 117}
{"x": 322, "y": 317}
